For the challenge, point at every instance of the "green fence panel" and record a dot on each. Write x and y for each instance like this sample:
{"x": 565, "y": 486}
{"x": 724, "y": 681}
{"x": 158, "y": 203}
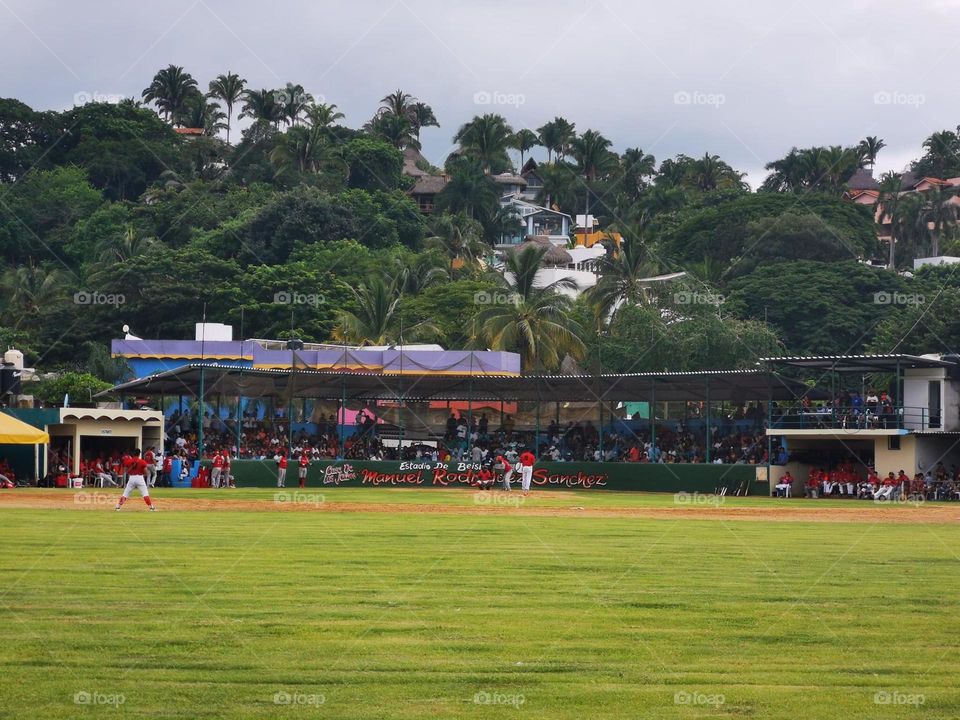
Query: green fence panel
{"x": 573, "y": 475}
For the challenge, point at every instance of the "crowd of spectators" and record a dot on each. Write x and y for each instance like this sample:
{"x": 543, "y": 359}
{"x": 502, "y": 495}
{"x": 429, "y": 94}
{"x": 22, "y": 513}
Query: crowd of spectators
{"x": 470, "y": 438}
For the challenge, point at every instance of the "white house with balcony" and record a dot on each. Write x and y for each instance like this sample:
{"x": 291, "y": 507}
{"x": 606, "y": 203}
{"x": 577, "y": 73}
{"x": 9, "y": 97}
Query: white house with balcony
{"x": 536, "y": 221}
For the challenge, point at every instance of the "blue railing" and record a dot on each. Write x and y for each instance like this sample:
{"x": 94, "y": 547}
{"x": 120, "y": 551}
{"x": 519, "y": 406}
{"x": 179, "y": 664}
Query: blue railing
{"x": 882, "y": 417}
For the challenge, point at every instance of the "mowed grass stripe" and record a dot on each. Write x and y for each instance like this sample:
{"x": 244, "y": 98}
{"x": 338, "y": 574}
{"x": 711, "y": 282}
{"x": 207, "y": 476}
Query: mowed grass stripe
{"x": 410, "y": 616}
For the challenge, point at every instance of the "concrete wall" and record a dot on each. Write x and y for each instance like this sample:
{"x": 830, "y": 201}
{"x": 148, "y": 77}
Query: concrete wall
{"x": 886, "y": 460}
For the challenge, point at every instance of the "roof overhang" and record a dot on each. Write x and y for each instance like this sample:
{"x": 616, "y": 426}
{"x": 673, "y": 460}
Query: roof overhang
{"x": 717, "y": 385}
{"x": 857, "y": 363}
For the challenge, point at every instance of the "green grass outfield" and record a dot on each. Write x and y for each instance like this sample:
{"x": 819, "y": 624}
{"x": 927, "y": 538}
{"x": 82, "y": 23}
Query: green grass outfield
{"x": 222, "y": 614}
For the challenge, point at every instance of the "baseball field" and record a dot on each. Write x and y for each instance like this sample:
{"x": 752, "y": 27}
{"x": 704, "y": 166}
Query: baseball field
{"x": 397, "y": 603}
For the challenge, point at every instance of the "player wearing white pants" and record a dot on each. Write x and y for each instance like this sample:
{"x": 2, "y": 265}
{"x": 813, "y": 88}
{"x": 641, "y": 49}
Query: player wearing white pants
{"x": 136, "y": 470}
{"x": 527, "y": 459}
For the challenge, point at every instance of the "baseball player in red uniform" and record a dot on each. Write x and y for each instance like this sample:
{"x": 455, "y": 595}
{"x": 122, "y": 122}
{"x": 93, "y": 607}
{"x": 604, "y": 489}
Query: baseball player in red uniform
{"x": 507, "y": 468}
{"x": 527, "y": 461}
{"x": 217, "y": 469}
{"x": 304, "y": 464}
{"x": 151, "y": 470}
{"x": 136, "y": 469}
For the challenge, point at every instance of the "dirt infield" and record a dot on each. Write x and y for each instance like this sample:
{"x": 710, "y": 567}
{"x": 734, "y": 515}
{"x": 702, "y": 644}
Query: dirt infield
{"x": 548, "y": 504}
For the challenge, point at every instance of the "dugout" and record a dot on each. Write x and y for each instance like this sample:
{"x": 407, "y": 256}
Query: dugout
{"x": 85, "y": 432}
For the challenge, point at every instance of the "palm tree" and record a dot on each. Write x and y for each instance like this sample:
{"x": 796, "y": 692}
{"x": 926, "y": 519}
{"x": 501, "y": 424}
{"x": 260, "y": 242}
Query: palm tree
{"x": 305, "y": 150}
{"x": 869, "y": 148}
{"x": 940, "y": 211}
{"x": 592, "y": 152}
{"x": 942, "y": 149}
{"x": 838, "y": 164}
{"x": 123, "y": 247}
{"x": 413, "y": 275}
{"x": 322, "y": 115}
{"x": 198, "y": 113}
{"x": 536, "y": 323}
{"x": 913, "y": 231}
{"x": 262, "y": 107}
{"x": 375, "y": 320}
{"x": 169, "y": 90}
{"x": 888, "y": 202}
{"x": 422, "y": 116}
{"x": 470, "y": 190}
{"x": 32, "y": 289}
{"x": 662, "y": 199}
{"x": 227, "y": 87}
{"x": 623, "y": 276}
{"x": 397, "y": 130}
{"x": 559, "y": 186}
{"x": 524, "y": 140}
{"x": 294, "y": 100}
{"x": 500, "y": 221}
{"x": 556, "y": 136}
{"x": 458, "y": 236}
{"x": 397, "y": 103}
{"x": 637, "y": 166}
{"x": 789, "y": 173}
{"x": 707, "y": 172}
{"x": 487, "y": 137}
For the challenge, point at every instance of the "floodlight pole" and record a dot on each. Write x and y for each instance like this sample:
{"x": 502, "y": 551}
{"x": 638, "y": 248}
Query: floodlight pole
{"x": 653, "y": 417}
{"x": 709, "y": 431}
{"x": 470, "y": 410}
{"x": 342, "y": 415}
{"x": 536, "y": 439}
{"x": 599, "y": 372}
{"x": 239, "y": 421}
{"x": 400, "y": 408}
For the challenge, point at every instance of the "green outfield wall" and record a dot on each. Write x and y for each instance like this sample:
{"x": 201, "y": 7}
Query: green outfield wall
{"x": 566, "y": 475}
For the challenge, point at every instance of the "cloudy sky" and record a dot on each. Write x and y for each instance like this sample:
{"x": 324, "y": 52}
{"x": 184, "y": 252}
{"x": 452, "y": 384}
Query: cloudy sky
{"x": 745, "y": 79}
